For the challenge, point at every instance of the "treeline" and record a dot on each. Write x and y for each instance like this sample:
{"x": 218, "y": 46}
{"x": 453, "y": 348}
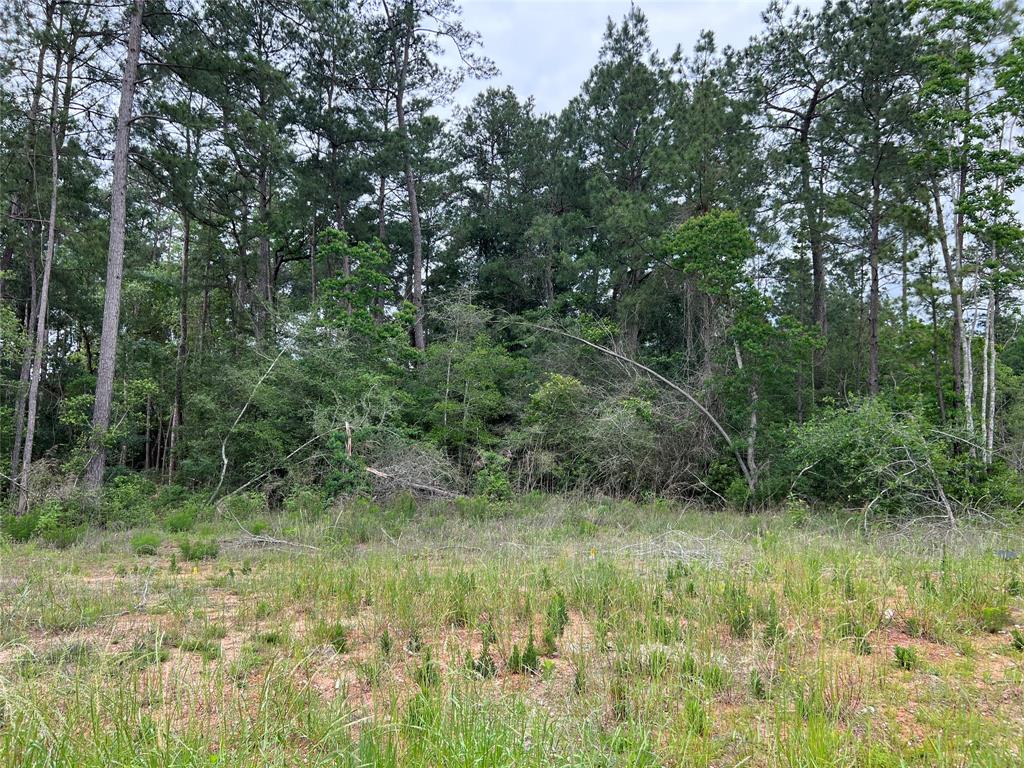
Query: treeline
{"x": 255, "y": 244}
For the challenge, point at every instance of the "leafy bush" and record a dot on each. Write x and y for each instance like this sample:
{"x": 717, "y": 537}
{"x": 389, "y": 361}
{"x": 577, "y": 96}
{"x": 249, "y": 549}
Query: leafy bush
{"x": 492, "y": 479}
{"x": 146, "y": 542}
{"x": 20, "y": 527}
{"x": 906, "y": 658}
{"x": 128, "y": 501}
{"x": 864, "y": 456}
{"x": 181, "y": 520}
{"x": 194, "y": 550}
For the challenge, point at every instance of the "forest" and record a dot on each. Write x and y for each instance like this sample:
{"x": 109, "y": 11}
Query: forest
{"x": 258, "y": 245}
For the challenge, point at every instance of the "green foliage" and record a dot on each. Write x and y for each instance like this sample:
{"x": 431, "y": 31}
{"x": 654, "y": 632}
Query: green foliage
{"x": 492, "y": 481}
{"x": 193, "y": 550}
{"x": 20, "y": 527}
{"x": 129, "y": 501}
{"x": 869, "y": 457}
{"x": 906, "y": 658}
{"x": 146, "y": 542}
{"x": 1017, "y": 639}
{"x": 181, "y": 520}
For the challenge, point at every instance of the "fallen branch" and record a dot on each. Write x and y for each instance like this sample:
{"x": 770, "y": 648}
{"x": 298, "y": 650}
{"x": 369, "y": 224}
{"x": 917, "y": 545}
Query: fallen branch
{"x": 414, "y": 486}
{"x": 747, "y": 475}
{"x": 241, "y": 413}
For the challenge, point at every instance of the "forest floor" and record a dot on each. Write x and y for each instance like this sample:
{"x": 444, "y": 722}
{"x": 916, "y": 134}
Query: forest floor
{"x": 664, "y": 636}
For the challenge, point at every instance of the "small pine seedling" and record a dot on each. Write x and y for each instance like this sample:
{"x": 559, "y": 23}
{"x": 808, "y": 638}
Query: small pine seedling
{"x": 427, "y": 674}
{"x": 484, "y": 665}
{"x": 515, "y": 661}
{"x": 1017, "y": 639}
{"x": 531, "y": 659}
{"x": 414, "y": 643}
{"x": 906, "y": 658}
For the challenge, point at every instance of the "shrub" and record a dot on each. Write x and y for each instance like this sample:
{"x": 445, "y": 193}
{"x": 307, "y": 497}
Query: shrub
{"x": 993, "y": 618}
{"x": 245, "y": 506}
{"x": 492, "y": 479}
{"x": 864, "y": 455}
{"x": 146, "y": 542}
{"x": 1017, "y": 639}
{"x": 906, "y": 658}
{"x": 20, "y": 527}
{"x": 199, "y": 549}
{"x": 60, "y": 524}
{"x": 181, "y": 520}
{"x": 128, "y": 501}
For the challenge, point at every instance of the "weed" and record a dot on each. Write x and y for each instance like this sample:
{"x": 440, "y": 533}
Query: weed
{"x": 146, "y": 542}
{"x": 334, "y": 634}
{"x": 1017, "y": 639}
{"x": 194, "y": 550}
{"x": 906, "y": 658}
{"x": 696, "y": 717}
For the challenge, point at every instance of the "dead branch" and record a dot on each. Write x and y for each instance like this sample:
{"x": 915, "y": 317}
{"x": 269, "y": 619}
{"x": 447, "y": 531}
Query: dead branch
{"x": 667, "y": 382}
{"x": 241, "y": 413}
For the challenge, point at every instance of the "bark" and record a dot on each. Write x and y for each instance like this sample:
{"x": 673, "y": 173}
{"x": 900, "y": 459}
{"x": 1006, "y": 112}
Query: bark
{"x": 58, "y": 118}
{"x": 939, "y": 389}
{"x": 814, "y": 234}
{"x": 752, "y": 429}
{"x": 955, "y": 293}
{"x": 874, "y": 383}
{"x": 25, "y": 375}
{"x": 988, "y": 399}
{"x": 419, "y": 338}
{"x": 181, "y": 356}
{"x": 115, "y": 258}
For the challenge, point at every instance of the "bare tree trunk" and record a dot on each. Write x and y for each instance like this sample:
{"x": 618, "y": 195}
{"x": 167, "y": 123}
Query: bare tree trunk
{"x": 939, "y": 393}
{"x": 874, "y": 382}
{"x": 181, "y": 358}
{"x": 752, "y": 429}
{"x": 25, "y": 375}
{"x": 57, "y": 116}
{"x": 419, "y": 338}
{"x": 988, "y": 400}
{"x": 115, "y": 258}
{"x": 955, "y": 292}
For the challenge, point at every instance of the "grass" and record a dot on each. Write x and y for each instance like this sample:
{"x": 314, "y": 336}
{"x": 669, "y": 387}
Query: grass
{"x": 543, "y": 632}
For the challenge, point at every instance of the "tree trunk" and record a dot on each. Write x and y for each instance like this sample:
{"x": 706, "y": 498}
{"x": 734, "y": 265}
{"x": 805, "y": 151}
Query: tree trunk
{"x": 955, "y": 293}
{"x": 115, "y": 258}
{"x": 57, "y": 118}
{"x": 939, "y": 390}
{"x": 988, "y": 400}
{"x": 874, "y": 382}
{"x": 181, "y": 358}
{"x": 25, "y": 375}
{"x": 419, "y": 338}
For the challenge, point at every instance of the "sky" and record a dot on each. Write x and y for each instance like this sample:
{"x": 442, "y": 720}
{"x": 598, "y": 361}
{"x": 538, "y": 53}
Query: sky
{"x": 545, "y": 48}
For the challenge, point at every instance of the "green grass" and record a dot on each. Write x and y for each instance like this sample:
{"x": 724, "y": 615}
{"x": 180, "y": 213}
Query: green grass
{"x": 516, "y": 636}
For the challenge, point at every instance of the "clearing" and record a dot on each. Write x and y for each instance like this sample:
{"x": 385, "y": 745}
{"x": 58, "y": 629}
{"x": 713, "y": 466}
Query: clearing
{"x": 549, "y": 632}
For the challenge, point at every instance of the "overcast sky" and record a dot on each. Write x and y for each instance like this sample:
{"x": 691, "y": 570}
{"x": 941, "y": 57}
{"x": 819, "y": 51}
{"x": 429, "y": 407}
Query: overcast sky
{"x": 545, "y": 48}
